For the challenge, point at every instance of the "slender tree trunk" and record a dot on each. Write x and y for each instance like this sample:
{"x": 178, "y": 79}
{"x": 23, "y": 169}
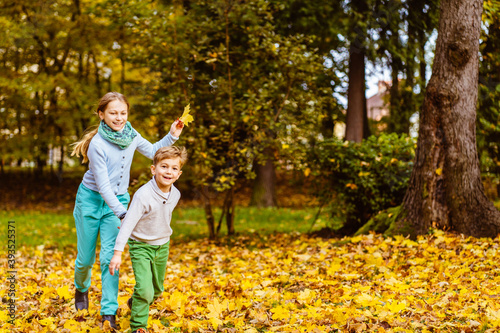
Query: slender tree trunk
{"x": 264, "y": 187}
{"x": 208, "y": 212}
{"x": 357, "y": 118}
{"x": 60, "y": 164}
{"x": 356, "y": 99}
{"x": 445, "y": 188}
{"x": 395, "y": 98}
{"x": 230, "y": 213}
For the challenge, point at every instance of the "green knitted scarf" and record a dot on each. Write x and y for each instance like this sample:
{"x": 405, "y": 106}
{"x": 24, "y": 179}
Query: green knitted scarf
{"x": 122, "y": 139}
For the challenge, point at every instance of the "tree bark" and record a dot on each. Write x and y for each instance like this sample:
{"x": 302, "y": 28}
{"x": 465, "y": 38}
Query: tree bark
{"x": 445, "y": 189}
{"x": 264, "y": 187}
{"x": 208, "y": 212}
{"x": 230, "y": 213}
{"x": 356, "y": 99}
{"x": 356, "y": 117}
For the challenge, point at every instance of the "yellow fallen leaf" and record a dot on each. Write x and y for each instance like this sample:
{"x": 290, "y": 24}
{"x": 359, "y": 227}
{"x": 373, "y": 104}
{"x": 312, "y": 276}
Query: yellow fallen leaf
{"x": 64, "y": 292}
{"x": 395, "y": 306}
{"x": 439, "y": 171}
{"x": 216, "y": 308}
{"x": 46, "y": 321}
{"x": 280, "y": 312}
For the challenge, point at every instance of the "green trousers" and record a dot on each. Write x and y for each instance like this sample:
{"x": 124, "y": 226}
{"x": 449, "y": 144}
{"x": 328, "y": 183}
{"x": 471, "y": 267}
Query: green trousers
{"x": 149, "y": 263}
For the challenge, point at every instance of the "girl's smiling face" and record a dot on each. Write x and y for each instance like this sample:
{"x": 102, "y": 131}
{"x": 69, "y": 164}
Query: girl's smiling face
{"x": 115, "y": 115}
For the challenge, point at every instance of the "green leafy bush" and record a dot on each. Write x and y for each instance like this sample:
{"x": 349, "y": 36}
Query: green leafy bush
{"x": 357, "y": 180}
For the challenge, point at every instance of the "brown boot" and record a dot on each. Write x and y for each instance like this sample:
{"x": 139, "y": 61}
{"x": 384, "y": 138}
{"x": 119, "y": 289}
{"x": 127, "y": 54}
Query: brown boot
{"x": 111, "y": 319}
{"x": 81, "y": 300}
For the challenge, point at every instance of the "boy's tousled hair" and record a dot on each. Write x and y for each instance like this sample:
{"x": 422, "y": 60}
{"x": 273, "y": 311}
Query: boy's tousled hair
{"x": 171, "y": 152}
{"x": 81, "y": 147}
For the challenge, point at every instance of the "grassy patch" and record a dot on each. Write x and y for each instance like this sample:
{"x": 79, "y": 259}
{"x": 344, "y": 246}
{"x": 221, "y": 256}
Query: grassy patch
{"x": 35, "y": 228}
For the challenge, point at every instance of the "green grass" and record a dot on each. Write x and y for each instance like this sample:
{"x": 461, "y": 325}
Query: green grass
{"x": 191, "y": 223}
{"x": 35, "y": 228}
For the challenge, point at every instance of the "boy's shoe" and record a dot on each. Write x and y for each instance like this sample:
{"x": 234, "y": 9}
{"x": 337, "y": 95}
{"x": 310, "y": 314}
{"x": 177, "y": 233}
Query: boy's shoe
{"x": 111, "y": 319}
{"x": 140, "y": 330}
{"x": 129, "y": 303}
{"x": 81, "y": 300}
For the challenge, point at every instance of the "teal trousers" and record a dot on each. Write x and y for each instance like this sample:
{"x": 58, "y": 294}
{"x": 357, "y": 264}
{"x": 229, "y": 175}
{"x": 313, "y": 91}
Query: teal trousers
{"x": 149, "y": 263}
{"x": 94, "y": 218}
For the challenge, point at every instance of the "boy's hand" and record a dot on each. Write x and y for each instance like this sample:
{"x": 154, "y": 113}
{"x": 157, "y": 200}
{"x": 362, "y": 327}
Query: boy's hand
{"x": 176, "y": 128}
{"x": 115, "y": 262}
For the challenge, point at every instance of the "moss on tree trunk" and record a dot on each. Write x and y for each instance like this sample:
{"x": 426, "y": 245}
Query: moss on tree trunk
{"x": 389, "y": 223}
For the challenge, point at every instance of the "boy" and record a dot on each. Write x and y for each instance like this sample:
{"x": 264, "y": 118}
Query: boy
{"x": 147, "y": 224}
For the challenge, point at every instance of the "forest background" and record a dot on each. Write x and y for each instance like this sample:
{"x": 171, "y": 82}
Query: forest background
{"x": 270, "y": 83}
{"x": 267, "y": 82}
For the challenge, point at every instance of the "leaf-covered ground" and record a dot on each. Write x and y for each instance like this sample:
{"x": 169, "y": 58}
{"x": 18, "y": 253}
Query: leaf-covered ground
{"x": 284, "y": 283}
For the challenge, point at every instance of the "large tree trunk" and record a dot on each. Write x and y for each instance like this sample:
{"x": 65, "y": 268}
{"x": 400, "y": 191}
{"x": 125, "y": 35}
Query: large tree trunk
{"x": 445, "y": 187}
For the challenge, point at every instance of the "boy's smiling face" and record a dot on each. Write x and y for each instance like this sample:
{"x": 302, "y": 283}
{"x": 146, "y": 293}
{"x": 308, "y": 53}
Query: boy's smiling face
{"x": 166, "y": 172}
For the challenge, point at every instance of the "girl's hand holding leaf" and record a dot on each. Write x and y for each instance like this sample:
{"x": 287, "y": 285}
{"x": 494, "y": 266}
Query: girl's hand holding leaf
{"x": 185, "y": 119}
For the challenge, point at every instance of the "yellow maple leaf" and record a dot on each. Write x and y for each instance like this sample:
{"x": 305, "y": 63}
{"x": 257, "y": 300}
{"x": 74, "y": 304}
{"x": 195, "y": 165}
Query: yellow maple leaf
{"x": 175, "y": 300}
{"x": 106, "y": 327}
{"x": 493, "y": 316}
{"x": 334, "y": 267}
{"x": 395, "y": 306}
{"x": 186, "y": 117}
{"x": 72, "y": 325}
{"x": 3, "y": 316}
{"x": 280, "y": 312}
{"x": 216, "y": 308}
{"x": 306, "y": 295}
{"x": 246, "y": 284}
{"x": 366, "y": 300}
{"x": 64, "y": 292}
{"x": 216, "y": 322}
{"x": 46, "y": 321}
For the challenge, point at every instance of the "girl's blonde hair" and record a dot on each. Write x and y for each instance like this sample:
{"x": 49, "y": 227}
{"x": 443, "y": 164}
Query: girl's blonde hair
{"x": 81, "y": 147}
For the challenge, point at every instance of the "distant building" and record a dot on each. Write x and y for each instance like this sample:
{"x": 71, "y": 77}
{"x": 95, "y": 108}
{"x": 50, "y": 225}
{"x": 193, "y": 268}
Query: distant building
{"x": 377, "y": 106}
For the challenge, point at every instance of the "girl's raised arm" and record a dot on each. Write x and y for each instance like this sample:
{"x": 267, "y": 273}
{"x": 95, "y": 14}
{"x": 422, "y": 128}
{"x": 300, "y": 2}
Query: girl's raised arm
{"x": 148, "y": 149}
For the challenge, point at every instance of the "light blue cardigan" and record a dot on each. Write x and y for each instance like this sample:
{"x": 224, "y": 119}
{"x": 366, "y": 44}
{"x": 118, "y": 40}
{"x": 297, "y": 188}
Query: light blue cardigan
{"x": 109, "y": 166}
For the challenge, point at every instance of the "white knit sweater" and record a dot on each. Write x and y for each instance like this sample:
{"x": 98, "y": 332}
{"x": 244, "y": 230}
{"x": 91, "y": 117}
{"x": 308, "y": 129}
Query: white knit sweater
{"x": 149, "y": 215}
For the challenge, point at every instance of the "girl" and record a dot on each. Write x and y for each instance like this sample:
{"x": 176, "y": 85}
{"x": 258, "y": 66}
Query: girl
{"x": 102, "y": 198}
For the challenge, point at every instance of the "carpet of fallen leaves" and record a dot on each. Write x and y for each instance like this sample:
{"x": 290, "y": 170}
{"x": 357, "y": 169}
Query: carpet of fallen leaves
{"x": 283, "y": 283}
